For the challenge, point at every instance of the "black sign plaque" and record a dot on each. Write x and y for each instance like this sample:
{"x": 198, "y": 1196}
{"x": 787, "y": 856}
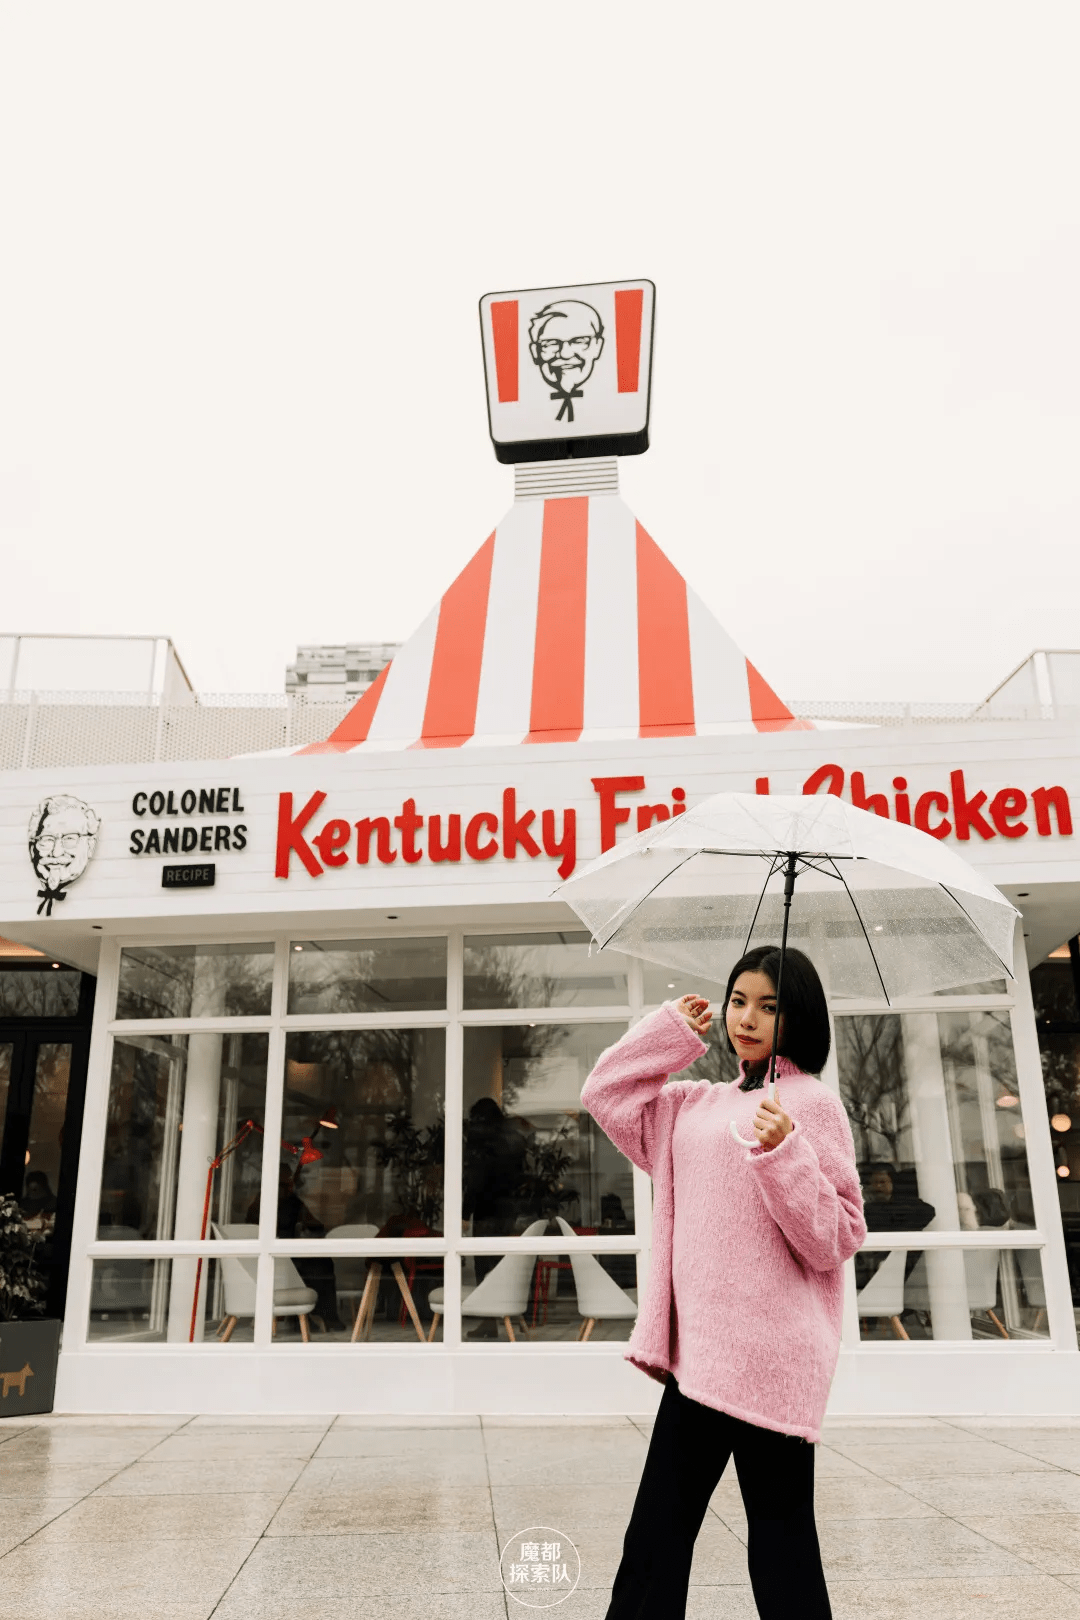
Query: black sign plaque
{"x": 191, "y": 875}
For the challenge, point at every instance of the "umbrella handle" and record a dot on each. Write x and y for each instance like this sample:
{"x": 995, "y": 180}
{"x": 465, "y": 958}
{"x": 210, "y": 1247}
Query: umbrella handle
{"x": 738, "y": 1138}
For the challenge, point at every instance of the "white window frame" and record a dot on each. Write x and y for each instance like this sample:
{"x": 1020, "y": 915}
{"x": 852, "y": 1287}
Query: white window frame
{"x": 1047, "y": 1236}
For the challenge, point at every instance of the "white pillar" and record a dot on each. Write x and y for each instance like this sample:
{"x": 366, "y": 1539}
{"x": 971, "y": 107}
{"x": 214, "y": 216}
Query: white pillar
{"x": 198, "y": 1146}
{"x": 947, "y": 1283}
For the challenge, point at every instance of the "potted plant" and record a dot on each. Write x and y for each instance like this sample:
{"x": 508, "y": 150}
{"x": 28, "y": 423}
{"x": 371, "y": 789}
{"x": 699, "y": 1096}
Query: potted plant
{"x": 29, "y": 1343}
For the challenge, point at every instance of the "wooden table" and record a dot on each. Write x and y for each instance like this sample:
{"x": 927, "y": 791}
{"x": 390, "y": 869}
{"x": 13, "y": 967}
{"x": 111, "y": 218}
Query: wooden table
{"x": 365, "y": 1313}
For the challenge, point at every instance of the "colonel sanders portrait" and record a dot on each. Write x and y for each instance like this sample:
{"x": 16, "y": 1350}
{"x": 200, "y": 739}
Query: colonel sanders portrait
{"x": 566, "y": 339}
{"x": 63, "y": 832}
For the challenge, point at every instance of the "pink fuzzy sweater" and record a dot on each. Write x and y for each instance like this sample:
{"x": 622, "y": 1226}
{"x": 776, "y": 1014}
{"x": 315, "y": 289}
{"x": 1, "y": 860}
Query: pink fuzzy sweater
{"x": 746, "y": 1290}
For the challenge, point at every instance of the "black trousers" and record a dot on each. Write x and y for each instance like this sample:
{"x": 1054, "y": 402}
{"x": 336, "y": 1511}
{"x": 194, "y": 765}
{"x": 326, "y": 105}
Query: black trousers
{"x": 689, "y": 1451}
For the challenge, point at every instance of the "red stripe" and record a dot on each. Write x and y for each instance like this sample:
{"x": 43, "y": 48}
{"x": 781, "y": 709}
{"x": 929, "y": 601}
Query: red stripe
{"x": 450, "y": 714}
{"x": 766, "y": 709}
{"x": 558, "y": 689}
{"x": 628, "y": 306}
{"x": 504, "y": 332}
{"x": 665, "y": 678}
{"x": 354, "y": 729}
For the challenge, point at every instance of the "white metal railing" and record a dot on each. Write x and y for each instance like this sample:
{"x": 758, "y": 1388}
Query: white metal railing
{"x": 57, "y": 728}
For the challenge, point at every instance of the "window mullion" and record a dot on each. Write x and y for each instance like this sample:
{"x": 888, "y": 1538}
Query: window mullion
{"x": 268, "y": 1196}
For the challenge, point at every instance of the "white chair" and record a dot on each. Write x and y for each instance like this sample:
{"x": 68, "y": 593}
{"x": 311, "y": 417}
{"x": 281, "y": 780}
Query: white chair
{"x": 981, "y": 1272}
{"x": 238, "y": 1275}
{"x": 1031, "y": 1274}
{"x": 599, "y": 1297}
{"x": 504, "y": 1291}
{"x": 119, "y": 1284}
{"x": 981, "y": 1284}
{"x": 362, "y": 1277}
{"x": 883, "y": 1295}
{"x": 350, "y": 1271}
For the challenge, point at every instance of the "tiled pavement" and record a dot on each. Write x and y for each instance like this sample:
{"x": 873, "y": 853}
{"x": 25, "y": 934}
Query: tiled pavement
{"x": 364, "y": 1519}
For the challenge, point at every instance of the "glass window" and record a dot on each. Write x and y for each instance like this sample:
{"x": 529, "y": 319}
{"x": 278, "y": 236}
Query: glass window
{"x": 1055, "y": 990}
{"x": 364, "y": 1109}
{"x": 530, "y": 1151}
{"x": 195, "y": 981}
{"x": 149, "y": 1301}
{"x": 983, "y": 1294}
{"x": 52, "y": 1070}
{"x": 176, "y": 1104}
{"x": 668, "y": 984}
{"x": 7, "y": 1053}
{"x": 542, "y": 970}
{"x": 395, "y": 1299}
{"x": 48, "y": 993}
{"x": 548, "y": 1297}
{"x": 366, "y": 975}
{"x": 935, "y": 1112}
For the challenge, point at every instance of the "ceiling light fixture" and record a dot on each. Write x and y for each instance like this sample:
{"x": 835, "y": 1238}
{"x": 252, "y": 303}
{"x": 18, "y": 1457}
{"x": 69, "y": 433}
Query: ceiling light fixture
{"x": 1008, "y": 1101}
{"x": 1060, "y": 1122}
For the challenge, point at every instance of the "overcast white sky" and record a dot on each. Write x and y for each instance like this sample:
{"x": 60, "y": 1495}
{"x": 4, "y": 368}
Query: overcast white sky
{"x": 241, "y": 388}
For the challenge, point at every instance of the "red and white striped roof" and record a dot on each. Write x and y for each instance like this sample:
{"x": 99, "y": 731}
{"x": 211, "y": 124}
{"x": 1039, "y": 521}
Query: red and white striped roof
{"x": 568, "y": 624}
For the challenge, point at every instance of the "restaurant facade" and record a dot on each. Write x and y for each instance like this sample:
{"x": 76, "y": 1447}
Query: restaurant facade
{"x": 295, "y": 1082}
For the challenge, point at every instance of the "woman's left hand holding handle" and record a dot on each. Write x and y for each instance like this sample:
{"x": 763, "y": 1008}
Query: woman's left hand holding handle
{"x": 771, "y": 1124}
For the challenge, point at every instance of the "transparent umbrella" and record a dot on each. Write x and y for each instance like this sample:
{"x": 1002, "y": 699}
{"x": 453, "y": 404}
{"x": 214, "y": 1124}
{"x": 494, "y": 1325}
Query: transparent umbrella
{"x": 882, "y": 909}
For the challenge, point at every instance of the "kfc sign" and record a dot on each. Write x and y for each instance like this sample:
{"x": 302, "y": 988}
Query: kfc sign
{"x": 569, "y": 370}
{"x": 509, "y": 829}
{"x": 961, "y": 810}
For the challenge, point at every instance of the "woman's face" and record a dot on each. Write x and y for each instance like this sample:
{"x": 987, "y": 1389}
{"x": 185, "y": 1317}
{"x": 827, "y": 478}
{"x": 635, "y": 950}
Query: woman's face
{"x": 751, "y": 1016}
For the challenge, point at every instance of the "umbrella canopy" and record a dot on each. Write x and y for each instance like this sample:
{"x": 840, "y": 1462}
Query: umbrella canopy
{"x": 881, "y": 909}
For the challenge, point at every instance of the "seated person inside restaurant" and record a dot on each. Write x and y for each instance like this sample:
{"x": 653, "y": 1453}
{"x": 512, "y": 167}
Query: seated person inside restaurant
{"x": 891, "y": 1204}
{"x": 295, "y": 1220}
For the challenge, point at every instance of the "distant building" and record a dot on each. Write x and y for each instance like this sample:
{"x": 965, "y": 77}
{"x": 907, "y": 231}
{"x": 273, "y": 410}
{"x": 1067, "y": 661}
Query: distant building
{"x": 344, "y": 670}
{"x": 120, "y": 666}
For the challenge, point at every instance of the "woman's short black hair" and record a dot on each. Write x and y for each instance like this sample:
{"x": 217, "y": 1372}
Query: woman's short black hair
{"x": 805, "y": 1036}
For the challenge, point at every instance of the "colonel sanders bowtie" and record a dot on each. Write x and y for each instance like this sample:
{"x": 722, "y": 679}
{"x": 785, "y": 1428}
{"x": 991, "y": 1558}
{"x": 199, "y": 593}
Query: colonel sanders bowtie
{"x": 566, "y": 409}
{"x": 47, "y": 896}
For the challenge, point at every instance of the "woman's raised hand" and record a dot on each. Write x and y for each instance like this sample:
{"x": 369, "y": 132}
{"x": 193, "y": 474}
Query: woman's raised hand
{"x": 695, "y": 1009}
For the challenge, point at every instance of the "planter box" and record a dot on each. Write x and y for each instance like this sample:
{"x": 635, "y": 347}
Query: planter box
{"x": 28, "y": 1353}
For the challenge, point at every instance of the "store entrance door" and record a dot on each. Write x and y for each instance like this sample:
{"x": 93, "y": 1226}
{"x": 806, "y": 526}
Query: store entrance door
{"x": 42, "y": 1087}
{"x": 1055, "y": 988}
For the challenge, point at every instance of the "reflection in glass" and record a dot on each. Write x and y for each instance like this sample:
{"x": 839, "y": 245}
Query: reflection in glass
{"x": 45, "y": 1140}
{"x": 542, "y": 970}
{"x": 44, "y": 993}
{"x": 530, "y": 1151}
{"x": 365, "y": 1107}
{"x": 359, "y": 1300}
{"x": 175, "y": 1104}
{"x": 987, "y": 1295}
{"x": 366, "y": 975}
{"x": 7, "y": 1052}
{"x": 935, "y": 1112}
{"x": 668, "y": 984}
{"x": 1055, "y": 990}
{"x": 195, "y": 981}
{"x": 520, "y": 1297}
{"x": 130, "y": 1302}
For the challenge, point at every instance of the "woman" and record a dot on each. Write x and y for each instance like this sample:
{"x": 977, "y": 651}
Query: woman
{"x": 741, "y": 1321}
